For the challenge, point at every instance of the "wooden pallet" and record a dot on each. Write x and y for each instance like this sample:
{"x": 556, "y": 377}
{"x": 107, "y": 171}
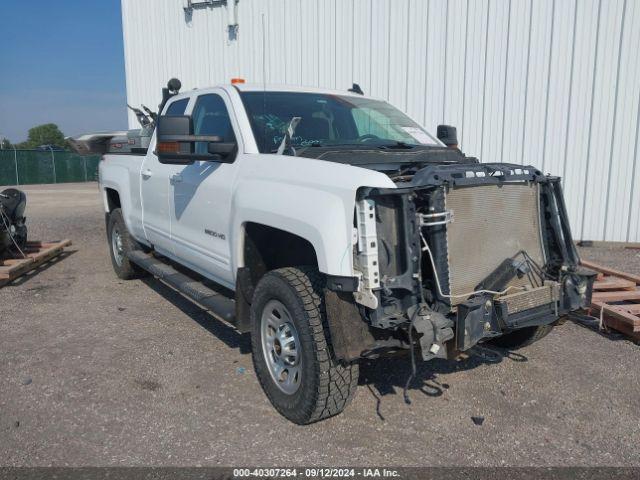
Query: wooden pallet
{"x": 37, "y": 253}
{"x": 616, "y": 299}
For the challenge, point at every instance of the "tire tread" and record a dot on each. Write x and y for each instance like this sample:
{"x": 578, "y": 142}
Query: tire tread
{"x": 337, "y": 382}
{"x": 128, "y": 270}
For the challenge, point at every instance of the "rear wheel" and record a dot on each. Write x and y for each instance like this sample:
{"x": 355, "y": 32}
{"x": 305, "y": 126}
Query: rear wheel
{"x": 522, "y": 337}
{"x": 291, "y": 353}
{"x": 120, "y": 244}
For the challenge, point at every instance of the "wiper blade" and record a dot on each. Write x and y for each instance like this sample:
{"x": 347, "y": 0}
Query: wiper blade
{"x": 299, "y": 145}
{"x": 397, "y": 145}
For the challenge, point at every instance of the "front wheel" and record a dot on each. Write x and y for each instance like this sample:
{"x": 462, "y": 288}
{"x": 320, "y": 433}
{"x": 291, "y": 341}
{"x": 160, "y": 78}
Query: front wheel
{"x": 291, "y": 352}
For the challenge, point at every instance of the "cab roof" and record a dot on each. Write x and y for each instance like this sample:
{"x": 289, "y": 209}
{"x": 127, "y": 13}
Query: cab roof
{"x": 258, "y": 87}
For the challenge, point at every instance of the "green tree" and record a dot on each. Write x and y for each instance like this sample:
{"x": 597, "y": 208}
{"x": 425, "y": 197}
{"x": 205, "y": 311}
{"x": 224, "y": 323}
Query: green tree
{"x": 47, "y": 134}
{"x": 5, "y": 144}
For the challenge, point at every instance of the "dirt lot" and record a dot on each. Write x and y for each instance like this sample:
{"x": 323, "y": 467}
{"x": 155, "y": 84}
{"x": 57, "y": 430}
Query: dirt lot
{"x": 97, "y": 371}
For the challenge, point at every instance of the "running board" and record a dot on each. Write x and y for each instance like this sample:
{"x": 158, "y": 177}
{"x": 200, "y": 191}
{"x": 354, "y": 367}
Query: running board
{"x": 216, "y": 303}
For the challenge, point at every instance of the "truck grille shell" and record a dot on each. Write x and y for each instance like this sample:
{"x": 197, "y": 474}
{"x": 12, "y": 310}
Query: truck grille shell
{"x": 491, "y": 223}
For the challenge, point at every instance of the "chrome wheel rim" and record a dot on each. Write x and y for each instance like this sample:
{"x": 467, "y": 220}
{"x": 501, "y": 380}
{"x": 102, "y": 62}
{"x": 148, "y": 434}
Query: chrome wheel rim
{"x": 281, "y": 347}
{"x": 117, "y": 247}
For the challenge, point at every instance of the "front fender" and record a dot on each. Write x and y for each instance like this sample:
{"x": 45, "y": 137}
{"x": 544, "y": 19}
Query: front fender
{"x": 313, "y": 199}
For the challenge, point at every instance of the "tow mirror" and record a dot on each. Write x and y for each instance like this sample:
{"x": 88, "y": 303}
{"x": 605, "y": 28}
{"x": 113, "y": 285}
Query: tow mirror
{"x": 222, "y": 150}
{"x": 448, "y": 135}
{"x": 176, "y": 143}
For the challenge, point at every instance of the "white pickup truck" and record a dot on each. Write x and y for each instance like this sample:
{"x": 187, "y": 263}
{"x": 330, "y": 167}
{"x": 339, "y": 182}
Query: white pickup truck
{"x": 333, "y": 227}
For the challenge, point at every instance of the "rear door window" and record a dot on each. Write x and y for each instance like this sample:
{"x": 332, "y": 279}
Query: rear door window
{"x": 177, "y": 108}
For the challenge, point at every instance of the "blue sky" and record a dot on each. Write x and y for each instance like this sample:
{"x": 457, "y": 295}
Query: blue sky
{"x": 61, "y": 62}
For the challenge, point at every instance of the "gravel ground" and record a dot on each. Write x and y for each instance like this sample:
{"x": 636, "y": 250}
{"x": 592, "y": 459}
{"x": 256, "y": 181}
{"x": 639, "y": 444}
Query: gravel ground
{"x": 97, "y": 371}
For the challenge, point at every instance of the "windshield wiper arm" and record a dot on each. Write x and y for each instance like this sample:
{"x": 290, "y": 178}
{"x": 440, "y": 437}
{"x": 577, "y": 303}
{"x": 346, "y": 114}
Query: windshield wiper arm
{"x": 288, "y": 135}
{"x": 397, "y": 145}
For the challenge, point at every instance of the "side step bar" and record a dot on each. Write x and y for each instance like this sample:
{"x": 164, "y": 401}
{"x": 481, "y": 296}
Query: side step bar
{"x": 220, "y": 305}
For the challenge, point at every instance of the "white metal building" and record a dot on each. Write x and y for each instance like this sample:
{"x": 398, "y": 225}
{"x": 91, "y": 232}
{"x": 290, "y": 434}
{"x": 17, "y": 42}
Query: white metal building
{"x": 553, "y": 83}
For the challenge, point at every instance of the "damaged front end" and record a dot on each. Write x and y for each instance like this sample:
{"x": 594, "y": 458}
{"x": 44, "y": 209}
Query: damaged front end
{"x": 463, "y": 253}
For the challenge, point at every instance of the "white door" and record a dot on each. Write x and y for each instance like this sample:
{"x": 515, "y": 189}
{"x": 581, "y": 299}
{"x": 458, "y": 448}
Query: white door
{"x": 154, "y": 190}
{"x": 200, "y": 196}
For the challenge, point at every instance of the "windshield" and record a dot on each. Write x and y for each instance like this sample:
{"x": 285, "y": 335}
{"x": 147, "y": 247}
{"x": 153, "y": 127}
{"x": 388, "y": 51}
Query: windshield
{"x": 329, "y": 120}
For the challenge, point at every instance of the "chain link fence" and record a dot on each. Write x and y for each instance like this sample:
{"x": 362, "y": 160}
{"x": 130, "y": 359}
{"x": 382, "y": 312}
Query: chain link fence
{"x": 22, "y": 167}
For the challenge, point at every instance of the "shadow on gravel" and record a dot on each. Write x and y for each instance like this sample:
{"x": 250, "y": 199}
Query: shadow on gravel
{"x": 221, "y": 330}
{"x": 45, "y": 266}
{"x": 388, "y": 376}
{"x": 382, "y": 377}
{"x": 593, "y": 323}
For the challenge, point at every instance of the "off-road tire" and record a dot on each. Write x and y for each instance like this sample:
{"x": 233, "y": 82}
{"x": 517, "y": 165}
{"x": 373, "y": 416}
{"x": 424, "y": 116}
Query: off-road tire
{"x": 126, "y": 270}
{"x": 522, "y": 337}
{"x": 327, "y": 386}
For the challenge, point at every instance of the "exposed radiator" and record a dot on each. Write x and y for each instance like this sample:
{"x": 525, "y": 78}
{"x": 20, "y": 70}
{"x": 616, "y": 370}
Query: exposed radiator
{"x": 491, "y": 223}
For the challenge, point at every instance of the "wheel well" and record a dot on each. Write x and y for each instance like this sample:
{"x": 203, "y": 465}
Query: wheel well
{"x": 267, "y": 248}
{"x": 113, "y": 199}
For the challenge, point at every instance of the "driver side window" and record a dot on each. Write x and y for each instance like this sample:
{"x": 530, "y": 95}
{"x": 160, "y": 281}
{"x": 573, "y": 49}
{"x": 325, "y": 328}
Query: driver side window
{"x": 210, "y": 117}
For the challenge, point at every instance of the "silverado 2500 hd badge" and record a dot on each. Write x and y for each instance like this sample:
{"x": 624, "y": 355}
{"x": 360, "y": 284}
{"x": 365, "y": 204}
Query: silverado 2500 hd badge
{"x": 221, "y": 236}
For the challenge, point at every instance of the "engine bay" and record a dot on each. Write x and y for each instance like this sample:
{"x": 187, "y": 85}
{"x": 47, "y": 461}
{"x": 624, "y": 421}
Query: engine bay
{"x": 465, "y": 253}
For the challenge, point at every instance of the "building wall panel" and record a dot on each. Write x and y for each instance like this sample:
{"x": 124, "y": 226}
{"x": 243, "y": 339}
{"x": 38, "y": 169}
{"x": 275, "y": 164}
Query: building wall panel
{"x": 514, "y": 97}
{"x": 552, "y": 83}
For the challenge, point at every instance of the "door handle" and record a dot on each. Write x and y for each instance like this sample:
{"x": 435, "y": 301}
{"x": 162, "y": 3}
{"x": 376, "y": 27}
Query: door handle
{"x": 175, "y": 178}
{"x": 146, "y": 174}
